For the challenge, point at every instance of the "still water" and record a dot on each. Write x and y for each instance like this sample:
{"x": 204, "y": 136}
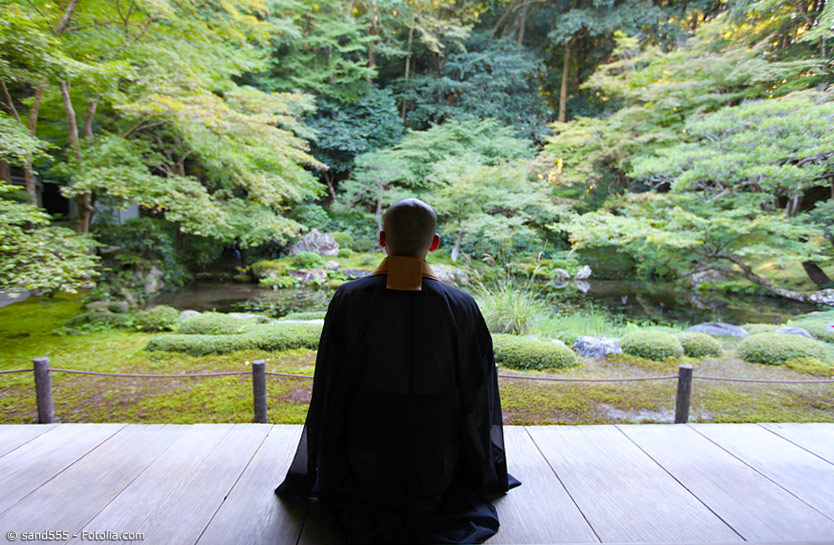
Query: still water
{"x": 634, "y": 300}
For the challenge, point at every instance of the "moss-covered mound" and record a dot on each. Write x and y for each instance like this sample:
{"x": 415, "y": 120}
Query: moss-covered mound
{"x": 777, "y": 348}
{"x": 652, "y": 345}
{"x": 699, "y": 345}
{"x": 158, "y": 318}
{"x": 818, "y": 328}
{"x": 760, "y": 328}
{"x": 94, "y": 320}
{"x": 216, "y": 323}
{"x": 526, "y": 353}
{"x": 270, "y": 337}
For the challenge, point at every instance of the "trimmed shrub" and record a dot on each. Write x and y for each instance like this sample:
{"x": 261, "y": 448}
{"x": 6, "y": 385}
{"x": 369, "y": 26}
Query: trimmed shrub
{"x": 158, "y": 318}
{"x": 216, "y": 323}
{"x": 652, "y": 345}
{"x": 699, "y": 345}
{"x": 94, "y": 320}
{"x": 527, "y": 353}
{"x": 308, "y": 260}
{"x": 345, "y": 253}
{"x": 818, "y": 328}
{"x": 305, "y": 315}
{"x": 272, "y": 337}
{"x": 265, "y": 269}
{"x": 777, "y": 348}
{"x": 343, "y": 239}
{"x": 760, "y": 328}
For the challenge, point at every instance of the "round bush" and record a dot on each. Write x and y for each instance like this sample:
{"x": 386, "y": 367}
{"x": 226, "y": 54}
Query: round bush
{"x": 308, "y": 260}
{"x": 215, "y": 323}
{"x": 760, "y": 328}
{"x": 343, "y": 239}
{"x": 526, "y": 353}
{"x": 652, "y": 345}
{"x": 271, "y": 337}
{"x": 345, "y": 252}
{"x": 158, "y": 318}
{"x": 777, "y": 348}
{"x": 94, "y": 320}
{"x": 699, "y": 345}
{"x": 817, "y": 328}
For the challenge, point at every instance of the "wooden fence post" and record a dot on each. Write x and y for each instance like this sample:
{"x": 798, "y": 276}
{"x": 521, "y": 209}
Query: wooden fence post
{"x": 259, "y": 390}
{"x": 43, "y": 391}
{"x": 682, "y": 399}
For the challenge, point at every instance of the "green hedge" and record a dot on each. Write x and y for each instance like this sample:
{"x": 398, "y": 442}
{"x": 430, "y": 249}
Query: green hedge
{"x": 777, "y": 348}
{"x": 525, "y": 353}
{"x": 94, "y": 320}
{"x": 158, "y": 318}
{"x": 652, "y": 345}
{"x": 699, "y": 345}
{"x": 817, "y": 328}
{"x": 217, "y": 323}
{"x": 270, "y": 337}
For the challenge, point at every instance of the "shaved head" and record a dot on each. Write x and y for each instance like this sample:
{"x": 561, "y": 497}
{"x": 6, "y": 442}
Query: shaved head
{"x": 409, "y": 226}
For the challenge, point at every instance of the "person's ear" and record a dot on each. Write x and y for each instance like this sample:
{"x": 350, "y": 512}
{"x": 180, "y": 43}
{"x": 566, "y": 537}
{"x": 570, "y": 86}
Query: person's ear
{"x": 382, "y": 239}
{"x": 435, "y": 242}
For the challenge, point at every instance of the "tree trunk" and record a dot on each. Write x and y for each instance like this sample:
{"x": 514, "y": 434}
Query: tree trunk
{"x": 458, "y": 239}
{"x": 328, "y": 179}
{"x": 88, "y": 122}
{"x": 407, "y": 69}
{"x": 5, "y": 172}
{"x": 522, "y": 23}
{"x": 563, "y": 90}
{"x": 816, "y": 274}
{"x": 84, "y": 201}
{"x": 28, "y": 170}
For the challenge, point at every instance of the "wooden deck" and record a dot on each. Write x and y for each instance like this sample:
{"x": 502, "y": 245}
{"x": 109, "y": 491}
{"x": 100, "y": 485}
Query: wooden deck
{"x": 212, "y": 484}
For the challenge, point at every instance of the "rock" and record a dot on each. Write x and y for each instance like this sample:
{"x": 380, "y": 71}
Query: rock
{"x": 316, "y": 321}
{"x": 789, "y": 330}
{"x": 331, "y": 265}
{"x": 557, "y": 341}
{"x": 584, "y": 273}
{"x": 316, "y": 242}
{"x": 719, "y": 329}
{"x": 186, "y": 314}
{"x": 355, "y": 273}
{"x": 108, "y": 305}
{"x": 308, "y": 276}
{"x": 823, "y": 297}
{"x": 583, "y": 286}
{"x": 243, "y": 315}
{"x": 151, "y": 279}
{"x": 561, "y": 275}
{"x": 451, "y": 275}
{"x": 596, "y": 347}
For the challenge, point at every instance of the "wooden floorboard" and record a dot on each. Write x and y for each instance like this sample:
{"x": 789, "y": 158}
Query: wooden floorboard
{"x": 213, "y": 484}
{"x": 803, "y": 474}
{"x": 738, "y": 494}
{"x": 623, "y": 493}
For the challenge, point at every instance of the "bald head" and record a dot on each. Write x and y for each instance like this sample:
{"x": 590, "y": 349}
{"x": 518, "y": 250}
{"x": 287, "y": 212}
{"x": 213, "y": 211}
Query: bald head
{"x": 409, "y": 228}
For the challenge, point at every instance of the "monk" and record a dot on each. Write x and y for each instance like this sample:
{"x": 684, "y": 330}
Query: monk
{"x": 403, "y": 440}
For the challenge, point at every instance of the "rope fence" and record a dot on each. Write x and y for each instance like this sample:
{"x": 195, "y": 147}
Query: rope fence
{"x": 46, "y": 410}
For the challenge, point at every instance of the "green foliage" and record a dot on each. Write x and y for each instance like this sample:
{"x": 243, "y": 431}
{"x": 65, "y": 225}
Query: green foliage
{"x": 652, "y": 345}
{"x": 510, "y": 309}
{"x": 94, "y": 320}
{"x": 278, "y": 282}
{"x": 305, "y": 315}
{"x": 526, "y": 353}
{"x": 344, "y": 240}
{"x": 216, "y": 323}
{"x": 777, "y": 348}
{"x": 699, "y": 345}
{"x": 270, "y": 337}
{"x": 307, "y": 260}
{"x": 345, "y": 252}
{"x": 158, "y": 318}
{"x": 567, "y": 327}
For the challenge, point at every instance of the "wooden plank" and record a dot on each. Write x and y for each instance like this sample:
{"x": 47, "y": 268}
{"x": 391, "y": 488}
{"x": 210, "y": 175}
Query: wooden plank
{"x": 14, "y": 435}
{"x": 174, "y": 499}
{"x": 624, "y": 494}
{"x": 540, "y": 510}
{"x": 252, "y": 514}
{"x": 817, "y": 437}
{"x": 71, "y": 499}
{"x": 801, "y": 473}
{"x": 753, "y": 505}
{"x": 26, "y": 468}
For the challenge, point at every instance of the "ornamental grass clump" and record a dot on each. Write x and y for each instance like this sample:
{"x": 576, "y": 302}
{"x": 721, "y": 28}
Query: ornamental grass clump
{"x": 510, "y": 309}
{"x": 652, "y": 345}
{"x": 158, "y": 318}
{"x": 527, "y": 353}
{"x": 217, "y": 323}
{"x": 699, "y": 345}
{"x": 777, "y": 348}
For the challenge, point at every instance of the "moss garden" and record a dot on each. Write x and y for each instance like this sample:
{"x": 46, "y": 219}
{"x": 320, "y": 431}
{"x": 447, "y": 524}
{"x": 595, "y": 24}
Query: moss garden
{"x": 161, "y": 341}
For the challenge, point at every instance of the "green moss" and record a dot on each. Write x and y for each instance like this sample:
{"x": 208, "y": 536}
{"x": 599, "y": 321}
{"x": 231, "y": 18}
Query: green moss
{"x": 699, "y": 345}
{"x": 760, "y": 328}
{"x": 94, "y": 320}
{"x": 653, "y": 345}
{"x": 158, "y": 318}
{"x": 217, "y": 323}
{"x": 526, "y": 353}
{"x": 777, "y": 348}
{"x": 269, "y": 337}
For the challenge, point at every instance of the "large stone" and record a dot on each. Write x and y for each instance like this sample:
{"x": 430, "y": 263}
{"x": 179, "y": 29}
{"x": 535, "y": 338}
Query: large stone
{"x": 355, "y": 273}
{"x": 316, "y": 242}
{"x": 243, "y": 315}
{"x": 596, "y": 347}
{"x": 823, "y": 297}
{"x": 451, "y": 275}
{"x": 151, "y": 279}
{"x": 120, "y": 306}
{"x": 308, "y": 276}
{"x": 332, "y": 265}
{"x": 583, "y": 273}
{"x": 560, "y": 276}
{"x": 789, "y": 330}
{"x": 186, "y": 314}
{"x": 718, "y": 329}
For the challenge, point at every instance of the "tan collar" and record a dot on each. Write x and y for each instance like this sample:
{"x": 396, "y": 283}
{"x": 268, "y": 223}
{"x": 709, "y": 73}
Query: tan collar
{"x": 405, "y": 273}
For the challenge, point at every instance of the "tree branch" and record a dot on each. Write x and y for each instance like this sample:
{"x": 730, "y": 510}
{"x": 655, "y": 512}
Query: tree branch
{"x": 61, "y": 27}
{"x": 9, "y": 102}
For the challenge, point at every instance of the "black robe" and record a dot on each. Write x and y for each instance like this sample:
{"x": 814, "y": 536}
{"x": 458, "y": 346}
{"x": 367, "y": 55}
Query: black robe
{"x": 404, "y": 433}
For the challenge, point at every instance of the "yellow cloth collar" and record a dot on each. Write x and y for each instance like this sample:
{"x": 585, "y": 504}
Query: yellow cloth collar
{"x": 405, "y": 273}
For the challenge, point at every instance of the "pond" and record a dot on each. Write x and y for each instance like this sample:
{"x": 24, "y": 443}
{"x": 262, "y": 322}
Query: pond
{"x": 635, "y": 300}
